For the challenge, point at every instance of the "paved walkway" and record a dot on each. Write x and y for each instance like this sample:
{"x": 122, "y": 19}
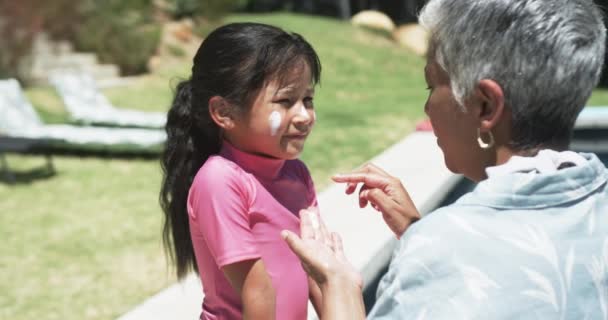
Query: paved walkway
{"x": 368, "y": 242}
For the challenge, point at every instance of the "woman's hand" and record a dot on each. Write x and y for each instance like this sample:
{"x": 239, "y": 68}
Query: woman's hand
{"x": 322, "y": 257}
{"x": 321, "y": 251}
{"x": 385, "y": 193}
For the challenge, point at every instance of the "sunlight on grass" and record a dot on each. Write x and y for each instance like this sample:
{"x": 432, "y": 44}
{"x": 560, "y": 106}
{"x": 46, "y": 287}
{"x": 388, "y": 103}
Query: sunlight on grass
{"x": 599, "y": 98}
{"x": 81, "y": 244}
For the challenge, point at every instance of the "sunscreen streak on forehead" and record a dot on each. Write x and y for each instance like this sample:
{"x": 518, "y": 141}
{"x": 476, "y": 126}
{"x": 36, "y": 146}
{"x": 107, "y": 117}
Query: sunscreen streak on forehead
{"x": 274, "y": 120}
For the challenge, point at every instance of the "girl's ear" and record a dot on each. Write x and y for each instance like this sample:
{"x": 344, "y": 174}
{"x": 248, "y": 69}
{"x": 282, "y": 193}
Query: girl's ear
{"x": 219, "y": 109}
{"x": 491, "y": 104}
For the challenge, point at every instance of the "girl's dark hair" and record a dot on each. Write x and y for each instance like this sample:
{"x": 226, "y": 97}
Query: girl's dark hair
{"x": 234, "y": 62}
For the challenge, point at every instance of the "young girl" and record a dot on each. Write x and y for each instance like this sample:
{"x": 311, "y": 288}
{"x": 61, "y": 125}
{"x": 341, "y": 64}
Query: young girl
{"x": 232, "y": 180}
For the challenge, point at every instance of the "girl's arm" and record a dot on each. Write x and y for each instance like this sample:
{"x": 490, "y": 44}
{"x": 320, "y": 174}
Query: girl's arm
{"x": 250, "y": 279}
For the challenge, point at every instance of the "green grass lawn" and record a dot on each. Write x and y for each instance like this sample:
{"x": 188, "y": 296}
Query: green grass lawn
{"x": 85, "y": 243}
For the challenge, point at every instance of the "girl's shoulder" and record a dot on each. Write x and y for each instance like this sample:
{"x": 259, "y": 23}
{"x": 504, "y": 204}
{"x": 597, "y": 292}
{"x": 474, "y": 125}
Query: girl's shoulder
{"x": 219, "y": 169}
{"x": 221, "y": 178}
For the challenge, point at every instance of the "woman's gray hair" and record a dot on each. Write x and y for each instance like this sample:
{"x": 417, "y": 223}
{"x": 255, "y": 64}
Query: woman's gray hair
{"x": 546, "y": 55}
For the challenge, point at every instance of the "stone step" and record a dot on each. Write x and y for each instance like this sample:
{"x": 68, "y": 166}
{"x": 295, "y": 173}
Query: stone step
{"x": 42, "y": 46}
{"x": 45, "y": 46}
{"x": 69, "y": 61}
{"x": 80, "y": 59}
{"x": 103, "y": 71}
{"x": 64, "y": 47}
{"x": 48, "y": 55}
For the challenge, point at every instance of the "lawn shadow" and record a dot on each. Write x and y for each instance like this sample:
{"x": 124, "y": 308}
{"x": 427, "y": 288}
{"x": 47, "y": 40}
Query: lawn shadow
{"x": 11, "y": 177}
{"x": 26, "y": 177}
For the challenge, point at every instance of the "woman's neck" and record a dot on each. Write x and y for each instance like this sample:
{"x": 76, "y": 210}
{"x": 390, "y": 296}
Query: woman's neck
{"x": 497, "y": 156}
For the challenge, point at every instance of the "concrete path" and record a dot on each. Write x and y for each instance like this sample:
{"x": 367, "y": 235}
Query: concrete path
{"x": 368, "y": 242}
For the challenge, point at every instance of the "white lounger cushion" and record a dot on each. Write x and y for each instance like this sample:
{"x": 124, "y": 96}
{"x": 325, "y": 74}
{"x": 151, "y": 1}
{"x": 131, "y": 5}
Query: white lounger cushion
{"x": 19, "y": 119}
{"x": 593, "y": 117}
{"x": 97, "y": 135}
{"x": 87, "y": 104}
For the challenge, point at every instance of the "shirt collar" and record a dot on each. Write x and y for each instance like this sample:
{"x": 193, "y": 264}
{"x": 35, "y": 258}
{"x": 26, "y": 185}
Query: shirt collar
{"x": 535, "y": 189}
{"x": 262, "y": 167}
{"x": 545, "y": 161}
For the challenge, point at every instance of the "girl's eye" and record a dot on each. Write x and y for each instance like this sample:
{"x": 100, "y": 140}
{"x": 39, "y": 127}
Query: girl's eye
{"x": 308, "y": 102}
{"x": 283, "y": 102}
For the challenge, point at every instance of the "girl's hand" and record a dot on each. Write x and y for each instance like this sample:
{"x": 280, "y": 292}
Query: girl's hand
{"x": 385, "y": 193}
{"x": 321, "y": 251}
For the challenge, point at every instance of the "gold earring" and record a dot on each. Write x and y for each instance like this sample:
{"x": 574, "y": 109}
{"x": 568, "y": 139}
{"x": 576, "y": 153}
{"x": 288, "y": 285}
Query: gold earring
{"x": 483, "y": 144}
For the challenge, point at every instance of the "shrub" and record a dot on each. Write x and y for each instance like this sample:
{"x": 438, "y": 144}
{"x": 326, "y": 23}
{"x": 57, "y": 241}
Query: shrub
{"x": 120, "y": 32}
{"x": 126, "y": 44}
{"x": 21, "y": 21}
{"x": 208, "y": 9}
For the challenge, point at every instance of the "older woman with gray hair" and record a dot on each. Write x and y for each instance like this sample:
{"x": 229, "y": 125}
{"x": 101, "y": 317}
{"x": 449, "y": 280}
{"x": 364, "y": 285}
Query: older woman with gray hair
{"x": 507, "y": 79}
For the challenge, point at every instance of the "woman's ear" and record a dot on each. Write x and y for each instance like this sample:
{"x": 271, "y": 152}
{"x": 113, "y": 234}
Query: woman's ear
{"x": 491, "y": 104}
{"x": 220, "y": 112}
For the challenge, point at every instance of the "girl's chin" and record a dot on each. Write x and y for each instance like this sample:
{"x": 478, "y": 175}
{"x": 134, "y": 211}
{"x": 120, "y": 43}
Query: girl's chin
{"x": 292, "y": 153}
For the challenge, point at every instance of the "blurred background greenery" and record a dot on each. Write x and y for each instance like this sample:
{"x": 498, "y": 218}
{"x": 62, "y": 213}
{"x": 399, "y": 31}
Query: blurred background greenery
{"x": 85, "y": 243}
{"x": 130, "y": 30}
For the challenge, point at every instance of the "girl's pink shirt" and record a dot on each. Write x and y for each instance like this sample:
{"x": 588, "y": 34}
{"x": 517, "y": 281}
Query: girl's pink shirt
{"x": 237, "y": 205}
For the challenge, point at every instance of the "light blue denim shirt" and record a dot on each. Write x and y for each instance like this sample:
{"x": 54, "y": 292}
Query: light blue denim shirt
{"x": 519, "y": 246}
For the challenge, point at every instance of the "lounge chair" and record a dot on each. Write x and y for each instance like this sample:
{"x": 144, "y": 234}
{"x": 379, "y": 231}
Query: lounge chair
{"x": 593, "y": 117}
{"x": 87, "y": 105}
{"x": 591, "y": 131}
{"x": 19, "y": 120}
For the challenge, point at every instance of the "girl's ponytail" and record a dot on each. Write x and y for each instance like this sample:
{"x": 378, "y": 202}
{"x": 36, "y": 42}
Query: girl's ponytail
{"x": 191, "y": 138}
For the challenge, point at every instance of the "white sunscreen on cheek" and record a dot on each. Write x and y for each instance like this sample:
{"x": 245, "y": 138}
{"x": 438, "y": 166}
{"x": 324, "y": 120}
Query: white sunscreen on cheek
{"x": 275, "y": 122}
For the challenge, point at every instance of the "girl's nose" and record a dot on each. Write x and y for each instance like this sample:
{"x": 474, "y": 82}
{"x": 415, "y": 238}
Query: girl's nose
{"x": 302, "y": 115}
{"x": 302, "y": 120}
